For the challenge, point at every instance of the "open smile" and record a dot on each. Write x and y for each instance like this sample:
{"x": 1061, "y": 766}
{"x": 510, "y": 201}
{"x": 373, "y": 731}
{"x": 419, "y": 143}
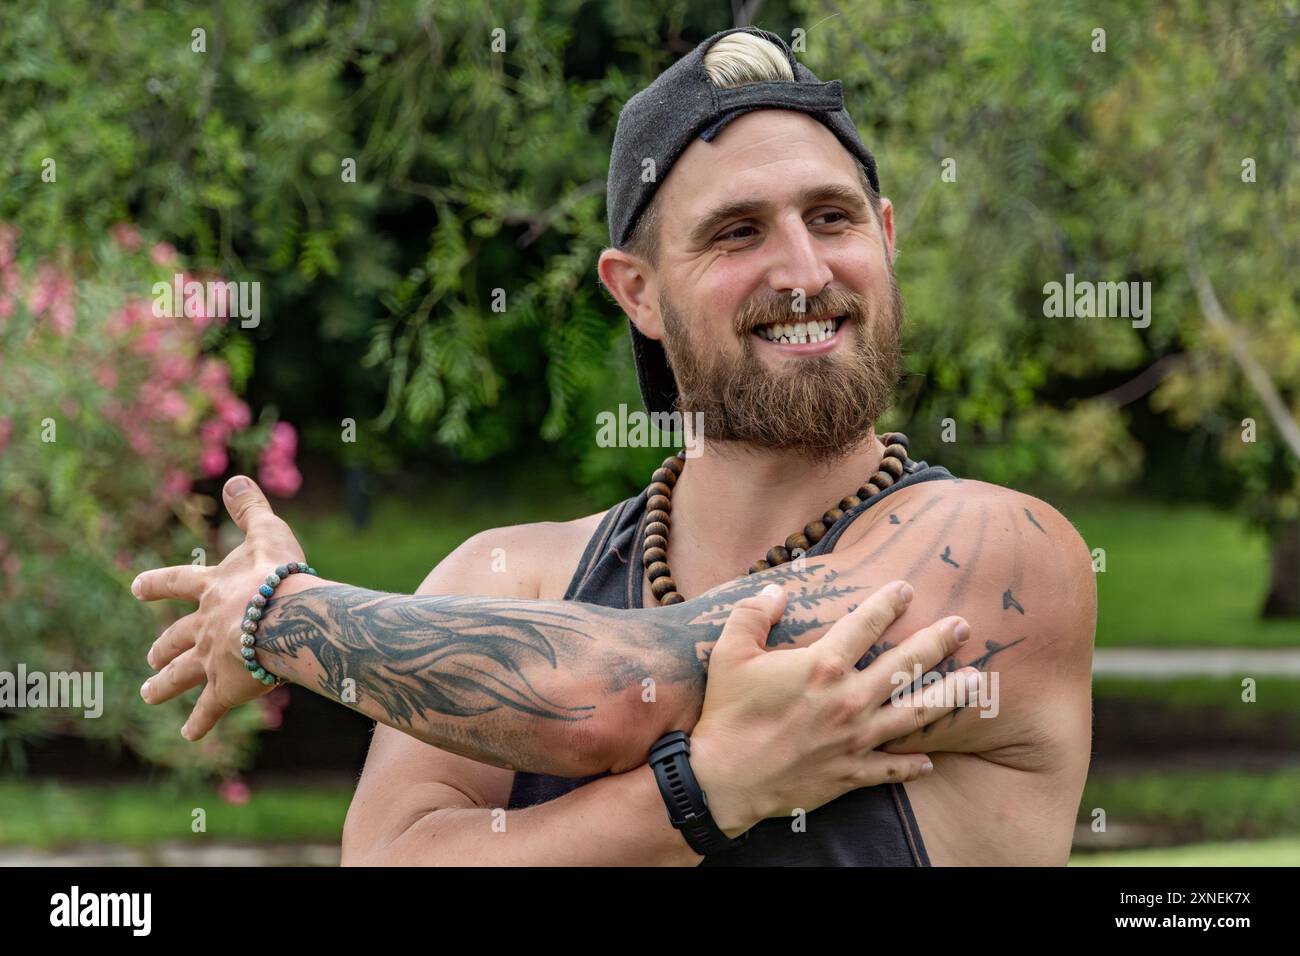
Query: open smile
{"x": 813, "y": 335}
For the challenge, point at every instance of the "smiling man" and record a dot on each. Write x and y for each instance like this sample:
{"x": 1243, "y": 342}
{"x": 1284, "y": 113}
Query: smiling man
{"x": 752, "y": 254}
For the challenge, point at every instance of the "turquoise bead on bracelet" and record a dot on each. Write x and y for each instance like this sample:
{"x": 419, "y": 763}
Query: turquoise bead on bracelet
{"x": 253, "y": 615}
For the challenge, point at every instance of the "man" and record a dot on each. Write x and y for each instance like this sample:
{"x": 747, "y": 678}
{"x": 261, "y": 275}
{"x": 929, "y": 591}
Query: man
{"x": 753, "y": 256}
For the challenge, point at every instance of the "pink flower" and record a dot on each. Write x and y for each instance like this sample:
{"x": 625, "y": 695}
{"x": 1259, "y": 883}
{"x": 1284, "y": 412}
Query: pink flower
{"x": 106, "y": 376}
{"x": 279, "y": 478}
{"x": 53, "y": 291}
{"x": 119, "y": 322}
{"x": 174, "y": 369}
{"x": 172, "y": 406}
{"x": 233, "y": 412}
{"x": 176, "y": 483}
{"x": 126, "y": 236}
{"x": 163, "y": 254}
{"x": 147, "y": 344}
{"x": 234, "y": 792}
{"x": 272, "y": 717}
{"x": 213, "y": 461}
{"x": 214, "y": 378}
{"x": 140, "y": 443}
{"x": 11, "y": 564}
{"x": 62, "y": 318}
{"x": 214, "y": 432}
{"x": 284, "y": 439}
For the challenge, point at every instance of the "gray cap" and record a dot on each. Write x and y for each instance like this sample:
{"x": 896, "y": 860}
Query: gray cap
{"x": 662, "y": 120}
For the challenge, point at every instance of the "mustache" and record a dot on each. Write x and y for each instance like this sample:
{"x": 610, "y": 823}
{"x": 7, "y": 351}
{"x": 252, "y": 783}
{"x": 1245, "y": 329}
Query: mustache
{"x": 827, "y": 302}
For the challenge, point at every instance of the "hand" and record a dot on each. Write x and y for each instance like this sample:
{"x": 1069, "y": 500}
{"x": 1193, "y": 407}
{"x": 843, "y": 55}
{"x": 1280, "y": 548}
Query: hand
{"x": 205, "y": 644}
{"x": 801, "y": 726}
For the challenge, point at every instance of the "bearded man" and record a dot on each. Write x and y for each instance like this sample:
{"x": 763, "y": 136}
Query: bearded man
{"x": 546, "y": 722}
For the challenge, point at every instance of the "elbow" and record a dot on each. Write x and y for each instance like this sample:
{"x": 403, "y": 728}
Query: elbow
{"x": 581, "y": 748}
{"x": 615, "y": 740}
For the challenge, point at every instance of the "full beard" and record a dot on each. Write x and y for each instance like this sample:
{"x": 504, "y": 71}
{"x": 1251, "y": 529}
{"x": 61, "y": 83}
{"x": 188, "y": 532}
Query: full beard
{"x": 822, "y": 407}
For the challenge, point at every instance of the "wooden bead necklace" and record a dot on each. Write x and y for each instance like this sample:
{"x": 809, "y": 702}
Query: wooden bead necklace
{"x": 659, "y": 493}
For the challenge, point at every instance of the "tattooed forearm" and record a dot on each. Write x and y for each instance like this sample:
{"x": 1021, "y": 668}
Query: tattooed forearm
{"x": 496, "y": 679}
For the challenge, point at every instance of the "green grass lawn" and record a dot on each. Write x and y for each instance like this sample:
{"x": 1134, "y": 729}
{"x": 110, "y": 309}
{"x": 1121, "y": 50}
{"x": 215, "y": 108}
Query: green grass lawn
{"x": 1215, "y": 805}
{"x": 49, "y": 813}
{"x": 407, "y": 536}
{"x": 1283, "y": 851}
{"x": 1178, "y": 576}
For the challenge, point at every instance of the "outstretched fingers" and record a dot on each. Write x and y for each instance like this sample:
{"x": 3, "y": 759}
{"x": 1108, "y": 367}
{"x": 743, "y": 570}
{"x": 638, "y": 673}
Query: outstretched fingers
{"x": 184, "y": 582}
{"x": 176, "y": 640}
{"x": 180, "y": 675}
{"x": 205, "y": 715}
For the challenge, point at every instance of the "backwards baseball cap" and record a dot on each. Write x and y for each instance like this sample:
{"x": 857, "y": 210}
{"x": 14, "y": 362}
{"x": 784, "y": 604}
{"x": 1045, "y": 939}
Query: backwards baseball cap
{"x": 662, "y": 120}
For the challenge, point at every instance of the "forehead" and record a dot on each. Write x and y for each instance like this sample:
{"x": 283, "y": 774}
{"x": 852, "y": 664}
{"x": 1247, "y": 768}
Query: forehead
{"x": 772, "y": 154}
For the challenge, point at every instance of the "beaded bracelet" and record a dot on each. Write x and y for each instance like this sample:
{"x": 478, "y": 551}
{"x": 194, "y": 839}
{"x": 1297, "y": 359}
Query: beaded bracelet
{"x": 253, "y": 614}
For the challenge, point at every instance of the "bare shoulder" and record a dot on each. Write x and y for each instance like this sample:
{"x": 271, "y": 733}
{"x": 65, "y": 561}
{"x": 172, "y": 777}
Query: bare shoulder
{"x": 1001, "y": 547}
{"x": 533, "y": 560}
{"x": 1020, "y": 574}
{"x": 973, "y": 525}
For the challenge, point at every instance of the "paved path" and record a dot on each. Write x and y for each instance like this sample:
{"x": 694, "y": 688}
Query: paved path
{"x": 1158, "y": 663}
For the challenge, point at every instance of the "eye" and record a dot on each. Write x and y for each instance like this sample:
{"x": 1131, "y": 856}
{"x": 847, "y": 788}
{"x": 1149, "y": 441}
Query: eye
{"x": 736, "y": 234}
{"x": 832, "y": 212}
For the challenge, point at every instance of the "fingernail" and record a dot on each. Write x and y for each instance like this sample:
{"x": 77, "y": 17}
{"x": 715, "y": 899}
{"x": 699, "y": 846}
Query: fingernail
{"x": 185, "y": 731}
{"x": 135, "y": 586}
{"x": 144, "y": 690}
{"x": 926, "y": 768}
{"x": 962, "y": 631}
{"x": 905, "y": 592}
{"x": 237, "y": 486}
{"x": 772, "y": 590}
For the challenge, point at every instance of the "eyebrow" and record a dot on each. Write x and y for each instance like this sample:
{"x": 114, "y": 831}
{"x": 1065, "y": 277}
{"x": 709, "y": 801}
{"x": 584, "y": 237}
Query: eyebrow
{"x": 718, "y": 216}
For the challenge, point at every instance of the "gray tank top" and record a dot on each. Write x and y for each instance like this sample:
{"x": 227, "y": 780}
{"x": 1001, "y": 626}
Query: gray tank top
{"x": 873, "y": 826}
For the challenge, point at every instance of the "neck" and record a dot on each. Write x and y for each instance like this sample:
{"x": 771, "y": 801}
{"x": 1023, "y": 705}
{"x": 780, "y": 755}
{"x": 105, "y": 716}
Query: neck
{"x": 735, "y": 502}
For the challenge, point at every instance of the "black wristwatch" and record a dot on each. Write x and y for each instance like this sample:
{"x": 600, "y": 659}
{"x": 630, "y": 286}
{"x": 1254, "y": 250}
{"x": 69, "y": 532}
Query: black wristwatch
{"x": 688, "y": 807}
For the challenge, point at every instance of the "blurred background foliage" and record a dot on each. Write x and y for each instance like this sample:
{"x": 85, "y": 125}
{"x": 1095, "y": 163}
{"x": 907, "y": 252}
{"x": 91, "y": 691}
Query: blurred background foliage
{"x": 479, "y": 171}
{"x": 445, "y": 298}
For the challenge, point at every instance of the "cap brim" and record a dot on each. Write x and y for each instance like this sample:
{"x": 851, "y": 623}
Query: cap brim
{"x": 653, "y": 373}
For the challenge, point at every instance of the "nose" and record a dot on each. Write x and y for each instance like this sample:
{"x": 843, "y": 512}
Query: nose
{"x": 797, "y": 260}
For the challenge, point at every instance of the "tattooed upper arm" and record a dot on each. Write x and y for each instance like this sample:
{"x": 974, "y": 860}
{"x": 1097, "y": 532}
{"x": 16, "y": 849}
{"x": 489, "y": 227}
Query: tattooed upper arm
{"x": 1019, "y": 573}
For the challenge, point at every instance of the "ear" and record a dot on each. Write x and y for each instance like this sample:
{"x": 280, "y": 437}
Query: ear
{"x": 887, "y": 225}
{"x": 632, "y": 284}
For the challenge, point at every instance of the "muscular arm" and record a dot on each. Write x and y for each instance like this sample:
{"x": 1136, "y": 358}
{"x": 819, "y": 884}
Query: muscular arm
{"x": 418, "y": 805}
{"x": 553, "y": 687}
{"x": 437, "y": 809}
{"x": 559, "y": 687}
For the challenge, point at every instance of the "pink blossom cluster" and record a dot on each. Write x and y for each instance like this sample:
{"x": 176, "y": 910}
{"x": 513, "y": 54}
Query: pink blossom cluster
{"x": 159, "y": 388}
{"x": 277, "y": 473}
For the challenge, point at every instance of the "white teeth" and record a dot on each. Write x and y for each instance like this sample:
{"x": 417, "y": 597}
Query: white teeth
{"x": 818, "y": 330}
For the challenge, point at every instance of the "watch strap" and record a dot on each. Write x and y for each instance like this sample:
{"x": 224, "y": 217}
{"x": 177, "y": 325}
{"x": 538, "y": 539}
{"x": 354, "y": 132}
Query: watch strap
{"x": 688, "y": 807}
